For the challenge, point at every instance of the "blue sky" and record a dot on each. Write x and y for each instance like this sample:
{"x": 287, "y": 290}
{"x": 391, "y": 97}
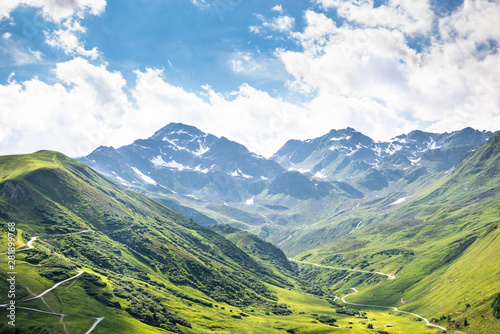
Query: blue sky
{"x": 76, "y": 74}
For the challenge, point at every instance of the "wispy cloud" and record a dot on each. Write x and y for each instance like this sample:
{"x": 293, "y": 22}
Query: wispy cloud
{"x": 282, "y": 24}
{"x": 200, "y": 4}
{"x": 256, "y": 65}
{"x": 17, "y": 52}
{"x": 68, "y": 39}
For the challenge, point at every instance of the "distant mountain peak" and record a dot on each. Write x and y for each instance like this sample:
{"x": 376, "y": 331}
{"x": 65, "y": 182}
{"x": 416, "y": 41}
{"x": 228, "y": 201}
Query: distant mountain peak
{"x": 186, "y": 160}
{"x": 347, "y": 152}
{"x": 177, "y": 129}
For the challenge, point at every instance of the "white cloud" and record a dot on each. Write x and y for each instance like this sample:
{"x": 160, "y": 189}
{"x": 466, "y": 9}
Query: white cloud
{"x": 36, "y": 115}
{"x": 17, "y": 53}
{"x": 243, "y": 62}
{"x": 452, "y": 83}
{"x": 282, "y": 24}
{"x": 278, "y": 9}
{"x": 6, "y": 35}
{"x": 407, "y": 16}
{"x": 67, "y": 15}
{"x": 200, "y": 4}
{"x": 68, "y": 39}
{"x": 55, "y": 10}
{"x": 88, "y": 107}
{"x": 359, "y": 75}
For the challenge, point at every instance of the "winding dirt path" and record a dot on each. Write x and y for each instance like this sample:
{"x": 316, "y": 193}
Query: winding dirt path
{"x": 53, "y": 287}
{"x": 390, "y": 277}
{"x": 98, "y": 320}
{"x": 427, "y": 322}
{"x": 29, "y": 245}
{"x": 346, "y": 269}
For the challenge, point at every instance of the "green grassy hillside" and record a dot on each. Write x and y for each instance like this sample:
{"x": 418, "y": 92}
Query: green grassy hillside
{"x": 127, "y": 264}
{"x": 442, "y": 244}
{"x": 264, "y": 252}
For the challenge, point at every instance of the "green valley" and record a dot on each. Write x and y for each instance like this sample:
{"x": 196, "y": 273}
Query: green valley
{"x": 442, "y": 244}
{"x": 127, "y": 264}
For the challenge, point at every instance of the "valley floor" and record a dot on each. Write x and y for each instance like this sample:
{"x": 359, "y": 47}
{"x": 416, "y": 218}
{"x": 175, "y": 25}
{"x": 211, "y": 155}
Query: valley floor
{"x": 47, "y": 307}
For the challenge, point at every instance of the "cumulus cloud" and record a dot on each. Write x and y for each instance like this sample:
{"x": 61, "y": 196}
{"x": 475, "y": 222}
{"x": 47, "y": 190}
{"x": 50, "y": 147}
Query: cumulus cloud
{"x": 278, "y": 9}
{"x": 407, "y": 16}
{"x": 67, "y": 15}
{"x": 85, "y": 107}
{"x": 55, "y": 10}
{"x": 451, "y": 83}
{"x": 358, "y": 74}
{"x": 89, "y": 107}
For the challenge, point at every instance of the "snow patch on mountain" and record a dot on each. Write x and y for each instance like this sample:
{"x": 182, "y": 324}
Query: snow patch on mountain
{"x": 145, "y": 178}
{"x": 320, "y": 175}
{"x": 400, "y": 200}
{"x": 431, "y": 145}
{"x": 393, "y": 148}
{"x": 298, "y": 169}
{"x": 239, "y": 173}
{"x": 158, "y": 161}
{"x": 340, "y": 138}
{"x": 199, "y": 169}
{"x": 415, "y": 161}
{"x": 202, "y": 150}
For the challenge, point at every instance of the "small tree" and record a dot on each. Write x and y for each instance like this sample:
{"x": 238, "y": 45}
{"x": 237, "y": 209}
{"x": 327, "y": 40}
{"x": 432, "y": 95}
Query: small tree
{"x": 466, "y": 323}
{"x": 370, "y": 326}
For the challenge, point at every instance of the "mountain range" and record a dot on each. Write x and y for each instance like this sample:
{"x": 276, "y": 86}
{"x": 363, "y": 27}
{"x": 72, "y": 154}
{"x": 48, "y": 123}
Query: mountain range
{"x": 214, "y": 180}
{"x": 130, "y": 252}
{"x": 182, "y": 159}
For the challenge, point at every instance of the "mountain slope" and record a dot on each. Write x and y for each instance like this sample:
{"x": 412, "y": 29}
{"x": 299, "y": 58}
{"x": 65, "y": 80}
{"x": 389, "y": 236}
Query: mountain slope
{"x": 126, "y": 264}
{"x": 132, "y": 238}
{"x": 213, "y": 180}
{"x": 257, "y": 248}
{"x": 442, "y": 243}
{"x": 347, "y": 153}
{"x": 181, "y": 158}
